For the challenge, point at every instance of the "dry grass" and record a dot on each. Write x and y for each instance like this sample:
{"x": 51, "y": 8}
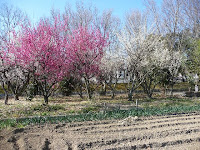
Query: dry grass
{"x": 74, "y": 104}
{"x": 59, "y": 105}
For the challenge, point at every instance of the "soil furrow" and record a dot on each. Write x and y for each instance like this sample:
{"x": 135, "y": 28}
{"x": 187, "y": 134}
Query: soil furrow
{"x": 147, "y": 119}
{"x": 122, "y": 128}
{"x": 152, "y": 143}
{"x": 140, "y": 137}
{"x": 156, "y": 145}
{"x": 141, "y": 122}
{"x": 161, "y": 132}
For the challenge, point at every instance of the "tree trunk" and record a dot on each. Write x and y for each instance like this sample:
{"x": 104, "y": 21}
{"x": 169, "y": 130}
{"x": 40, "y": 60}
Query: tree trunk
{"x": 130, "y": 95}
{"x": 149, "y": 88}
{"x": 88, "y": 89}
{"x": 103, "y": 90}
{"x": 113, "y": 90}
{"x": 172, "y": 89}
{"x": 113, "y": 93}
{"x": 79, "y": 89}
{"x": 6, "y": 94}
{"x": 14, "y": 91}
{"x": 165, "y": 90}
{"x": 81, "y": 94}
{"x": 149, "y": 95}
{"x": 16, "y": 96}
{"x": 89, "y": 92}
{"x": 6, "y": 98}
{"x": 130, "y": 92}
{"x": 46, "y": 99}
{"x": 148, "y": 91}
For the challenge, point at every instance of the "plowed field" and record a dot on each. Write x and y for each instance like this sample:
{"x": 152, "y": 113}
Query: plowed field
{"x": 162, "y": 132}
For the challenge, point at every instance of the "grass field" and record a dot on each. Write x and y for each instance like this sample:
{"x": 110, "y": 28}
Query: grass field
{"x": 69, "y": 109}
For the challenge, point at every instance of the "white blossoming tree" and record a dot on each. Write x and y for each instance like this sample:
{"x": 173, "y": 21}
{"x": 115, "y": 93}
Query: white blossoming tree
{"x": 146, "y": 54}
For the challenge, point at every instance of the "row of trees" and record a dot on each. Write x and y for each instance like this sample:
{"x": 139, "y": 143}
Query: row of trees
{"x": 159, "y": 43}
{"x": 153, "y": 46}
{"x": 48, "y": 52}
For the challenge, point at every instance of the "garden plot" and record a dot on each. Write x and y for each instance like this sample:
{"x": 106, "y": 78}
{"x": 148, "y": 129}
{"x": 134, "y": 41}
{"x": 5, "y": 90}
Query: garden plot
{"x": 161, "y": 132}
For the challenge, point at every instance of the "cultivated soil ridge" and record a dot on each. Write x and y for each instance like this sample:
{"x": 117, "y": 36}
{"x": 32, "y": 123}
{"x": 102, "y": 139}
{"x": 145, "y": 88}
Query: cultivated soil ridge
{"x": 178, "y": 132}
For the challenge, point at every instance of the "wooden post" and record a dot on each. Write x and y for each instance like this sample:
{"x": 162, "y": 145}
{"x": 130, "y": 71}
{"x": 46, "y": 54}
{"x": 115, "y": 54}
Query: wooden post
{"x": 136, "y": 103}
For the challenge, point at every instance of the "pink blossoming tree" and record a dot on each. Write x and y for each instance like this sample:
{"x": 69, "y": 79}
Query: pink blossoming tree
{"x": 41, "y": 50}
{"x": 50, "y": 53}
{"x": 85, "y": 51}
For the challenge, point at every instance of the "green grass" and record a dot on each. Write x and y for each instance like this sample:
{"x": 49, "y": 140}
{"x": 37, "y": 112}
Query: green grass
{"x": 104, "y": 115}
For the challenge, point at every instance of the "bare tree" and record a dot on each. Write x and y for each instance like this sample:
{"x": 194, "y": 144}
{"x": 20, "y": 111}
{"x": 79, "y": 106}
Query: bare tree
{"x": 154, "y": 13}
{"x": 82, "y": 16}
{"x": 191, "y": 10}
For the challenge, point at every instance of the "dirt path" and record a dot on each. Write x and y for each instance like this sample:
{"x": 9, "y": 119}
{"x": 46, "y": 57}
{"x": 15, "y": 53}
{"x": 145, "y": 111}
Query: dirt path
{"x": 163, "y": 132}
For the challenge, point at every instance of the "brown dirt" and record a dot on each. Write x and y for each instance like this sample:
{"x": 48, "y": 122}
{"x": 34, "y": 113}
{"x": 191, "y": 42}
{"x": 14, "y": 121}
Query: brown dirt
{"x": 162, "y": 132}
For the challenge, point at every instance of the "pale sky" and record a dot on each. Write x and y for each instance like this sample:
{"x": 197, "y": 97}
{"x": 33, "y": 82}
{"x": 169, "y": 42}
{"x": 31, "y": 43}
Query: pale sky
{"x": 40, "y": 8}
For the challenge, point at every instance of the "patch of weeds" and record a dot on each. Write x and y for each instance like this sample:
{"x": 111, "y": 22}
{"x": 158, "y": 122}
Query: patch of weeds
{"x": 90, "y": 109}
{"x": 145, "y": 105}
{"x": 38, "y": 108}
{"x": 43, "y": 108}
{"x": 20, "y": 125}
{"x": 71, "y": 111}
{"x": 178, "y": 99}
{"x": 56, "y": 107}
{"x": 147, "y": 100}
{"x": 8, "y": 123}
{"x": 171, "y": 104}
{"x": 43, "y": 113}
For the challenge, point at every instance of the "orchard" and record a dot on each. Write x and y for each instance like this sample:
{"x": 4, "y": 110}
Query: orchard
{"x": 83, "y": 78}
{"x": 97, "y": 52}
